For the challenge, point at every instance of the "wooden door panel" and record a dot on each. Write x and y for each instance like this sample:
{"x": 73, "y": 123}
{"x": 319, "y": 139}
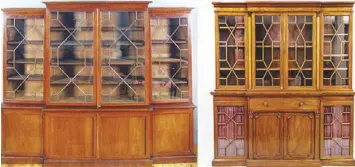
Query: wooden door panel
{"x": 267, "y": 136}
{"x": 299, "y": 135}
{"x": 70, "y": 136}
{"x": 172, "y": 132}
{"x": 122, "y": 135}
{"x": 22, "y": 132}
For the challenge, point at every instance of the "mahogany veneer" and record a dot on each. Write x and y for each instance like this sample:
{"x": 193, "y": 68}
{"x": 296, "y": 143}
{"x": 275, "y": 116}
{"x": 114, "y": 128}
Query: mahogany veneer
{"x": 97, "y": 84}
{"x": 283, "y": 84}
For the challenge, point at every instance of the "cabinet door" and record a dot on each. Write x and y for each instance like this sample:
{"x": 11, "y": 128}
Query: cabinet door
{"x": 301, "y": 52}
{"x": 71, "y": 57}
{"x": 23, "y": 55}
{"x": 230, "y": 127}
{"x": 232, "y": 51}
{"x": 267, "y": 50}
{"x": 123, "y": 57}
{"x": 268, "y": 131}
{"x": 336, "y": 50}
{"x": 299, "y": 135}
{"x": 337, "y": 130}
{"x": 170, "y": 45}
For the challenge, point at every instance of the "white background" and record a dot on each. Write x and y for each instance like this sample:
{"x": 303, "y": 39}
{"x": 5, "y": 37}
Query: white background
{"x": 203, "y": 49}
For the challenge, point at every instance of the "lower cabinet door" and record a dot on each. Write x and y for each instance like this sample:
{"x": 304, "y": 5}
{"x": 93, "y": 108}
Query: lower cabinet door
{"x": 70, "y": 135}
{"x": 267, "y": 135}
{"x": 299, "y": 135}
{"x": 123, "y": 135}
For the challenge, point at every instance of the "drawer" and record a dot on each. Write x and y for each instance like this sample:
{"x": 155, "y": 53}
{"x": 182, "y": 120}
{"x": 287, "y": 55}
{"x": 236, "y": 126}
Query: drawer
{"x": 279, "y": 104}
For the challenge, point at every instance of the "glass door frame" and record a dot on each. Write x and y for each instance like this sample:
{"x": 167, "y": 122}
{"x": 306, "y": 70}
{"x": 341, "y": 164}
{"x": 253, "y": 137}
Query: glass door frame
{"x": 47, "y": 69}
{"x": 331, "y": 102}
{"x": 253, "y": 51}
{"x": 246, "y": 50}
{"x": 321, "y": 46}
{"x": 314, "y": 51}
{"x": 147, "y": 74}
{"x": 22, "y": 14}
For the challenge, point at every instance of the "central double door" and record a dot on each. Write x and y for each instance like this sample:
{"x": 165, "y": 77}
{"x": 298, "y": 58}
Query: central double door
{"x": 283, "y": 135}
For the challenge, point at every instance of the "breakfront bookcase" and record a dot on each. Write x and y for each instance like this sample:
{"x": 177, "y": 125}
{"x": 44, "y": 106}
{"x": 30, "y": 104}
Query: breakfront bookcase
{"x": 283, "y": 84}
{"x": 97, "y": 84}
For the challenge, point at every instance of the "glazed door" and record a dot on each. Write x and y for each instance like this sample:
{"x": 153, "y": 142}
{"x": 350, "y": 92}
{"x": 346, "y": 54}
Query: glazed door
{"x": 267, "y": 133}
{"x": 298, "y": 135}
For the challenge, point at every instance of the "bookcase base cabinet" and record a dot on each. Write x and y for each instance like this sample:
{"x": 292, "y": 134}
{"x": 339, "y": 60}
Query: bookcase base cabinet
{"x": 289, "y": 131}
{"x": 97, "y": 137}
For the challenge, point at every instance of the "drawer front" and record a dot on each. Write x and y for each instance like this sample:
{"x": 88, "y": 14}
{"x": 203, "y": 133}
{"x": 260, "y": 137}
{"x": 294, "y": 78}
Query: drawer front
{"x": 279, "y": 104}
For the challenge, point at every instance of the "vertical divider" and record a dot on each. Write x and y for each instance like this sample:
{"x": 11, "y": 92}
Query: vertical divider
{"x": 148, "y": 56}
{"x": 98, "y": 57}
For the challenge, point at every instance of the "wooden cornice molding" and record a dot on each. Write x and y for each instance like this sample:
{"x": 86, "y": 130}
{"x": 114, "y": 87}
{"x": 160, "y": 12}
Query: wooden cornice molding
{"x": 24, "y": 11}
{"x": 294, "y": 4}
{"x": 92, "y": 5}
{"x": 283, "y": 93}
{"x": 169, "y": 10}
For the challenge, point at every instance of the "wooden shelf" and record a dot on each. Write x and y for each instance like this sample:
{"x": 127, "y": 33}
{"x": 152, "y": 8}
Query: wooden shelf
{"x": 293, "y": 46}
{"x": 26, "y": 61}
{"x": 228, "y": 69}
{"x": 267, "y": 46}
{"x": 138, "y": 80}
{"x": 335, "y": 69}
{"x": 80, "y": 80}
{"x": 34, "y": 77}
{"x": 168, "y": 60}
{"x": 103, "y": 28}
{"x": 72, "y": 43}
{"x": 83, "y": 99}
{"x": 108, "y": 43}
{"x": 173, "y": 41}
{"x": 227, "y": 28}
{"x": 115, "y": 99}
{"x": 298, "y": 69}
{"x": 165, "y": 80}
{"x": 104, "y": 43}
{"x": 335, "y": 34}
{"x": 335, "y": 55}
{"x": 26, "y": 42}
{"x": 231, "y": 46}
{"x": 88, "y": 62}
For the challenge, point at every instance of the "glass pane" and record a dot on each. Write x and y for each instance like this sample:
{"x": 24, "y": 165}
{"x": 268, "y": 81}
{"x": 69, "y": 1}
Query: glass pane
{"x": 24, "y": 59}
{"x": 337, "y": 130}
{"x": 72, "y": 52}
{"x": 230, "y": 132}
{"x": 231, "y": 50}
{"x": 300, "y": 51}
{"x": 267, "y": 47}
{"x": 336, "y": 51}
{"x": 170, "y": 58}
{"x": 122, "y": 57}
